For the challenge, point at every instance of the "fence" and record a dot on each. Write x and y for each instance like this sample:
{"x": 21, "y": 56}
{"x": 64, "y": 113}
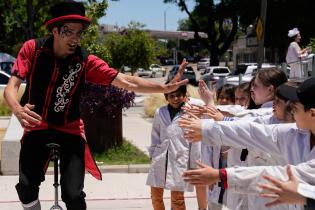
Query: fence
{"x": 304, "y": 68}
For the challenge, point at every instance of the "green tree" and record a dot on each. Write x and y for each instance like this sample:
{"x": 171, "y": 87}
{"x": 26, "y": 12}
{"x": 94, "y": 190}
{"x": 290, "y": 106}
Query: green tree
{"x": 218, "y": 19}
{"x": 22, "y": 20}
{"x": 92, "y": 41}
{"x": 133, "y": 47}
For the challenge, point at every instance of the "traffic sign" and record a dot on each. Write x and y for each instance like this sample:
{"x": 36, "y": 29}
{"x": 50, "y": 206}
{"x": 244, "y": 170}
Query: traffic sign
{"x": 259, "y": 29}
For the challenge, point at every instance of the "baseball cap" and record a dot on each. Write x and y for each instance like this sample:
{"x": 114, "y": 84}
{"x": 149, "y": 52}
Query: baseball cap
{"x": 305, "y": 93}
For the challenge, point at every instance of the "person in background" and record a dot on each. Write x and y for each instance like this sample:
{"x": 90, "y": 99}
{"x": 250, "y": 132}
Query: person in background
{"x": 295, "y": 54}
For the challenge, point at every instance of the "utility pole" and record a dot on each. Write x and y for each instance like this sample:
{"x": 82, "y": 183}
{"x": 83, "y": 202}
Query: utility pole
{"x": 260, "y": 31}
{"x": 165, "y": 18}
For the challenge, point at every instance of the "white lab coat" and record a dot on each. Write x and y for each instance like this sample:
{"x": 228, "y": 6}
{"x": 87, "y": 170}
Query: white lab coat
{"x": 284, "y": 142}
{"x": 246, "y": 179}
{"x": 210, "y": 156}
{"x": 239, "y": 201}
{"x": 169, "y": 154}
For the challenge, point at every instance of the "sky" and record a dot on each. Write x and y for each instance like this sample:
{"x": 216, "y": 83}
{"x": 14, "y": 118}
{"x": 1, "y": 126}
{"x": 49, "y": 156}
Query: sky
{"x": 148, "y": 12}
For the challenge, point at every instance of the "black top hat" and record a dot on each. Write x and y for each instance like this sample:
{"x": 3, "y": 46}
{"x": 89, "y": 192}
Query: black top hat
{"x": 67, "y": 11}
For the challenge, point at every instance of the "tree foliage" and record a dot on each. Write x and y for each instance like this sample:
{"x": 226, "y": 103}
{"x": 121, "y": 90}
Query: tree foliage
{"x": 22, "y": 20}
{"x": 133, "y": 47}
{"x": 92, "y": 41}
{"x": 218, "y": 20}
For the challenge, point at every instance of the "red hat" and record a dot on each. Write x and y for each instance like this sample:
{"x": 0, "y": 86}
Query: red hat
{"x": 67, "y": 11}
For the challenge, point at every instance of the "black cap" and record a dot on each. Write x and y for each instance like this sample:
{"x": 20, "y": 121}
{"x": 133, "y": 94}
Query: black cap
{"x": 287, "y": 92}
{"x": 306, "y": 93}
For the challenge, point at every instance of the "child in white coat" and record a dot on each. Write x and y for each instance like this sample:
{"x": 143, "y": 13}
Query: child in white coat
{"x": 162, "y": 163}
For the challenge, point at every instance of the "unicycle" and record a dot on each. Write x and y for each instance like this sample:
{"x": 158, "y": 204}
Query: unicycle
{"x": 55, "y": 154}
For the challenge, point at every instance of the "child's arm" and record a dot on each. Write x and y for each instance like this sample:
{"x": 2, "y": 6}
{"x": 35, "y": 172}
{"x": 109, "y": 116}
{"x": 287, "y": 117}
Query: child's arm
{"x": 273, "y": 139}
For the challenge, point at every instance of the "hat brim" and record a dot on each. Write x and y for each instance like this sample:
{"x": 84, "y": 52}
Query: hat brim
{"x": 288, "y": 92}
{"x": 67, "y": 18}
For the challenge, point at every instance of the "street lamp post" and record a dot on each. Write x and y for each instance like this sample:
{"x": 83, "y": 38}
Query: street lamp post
{"x": 165, "y": 18}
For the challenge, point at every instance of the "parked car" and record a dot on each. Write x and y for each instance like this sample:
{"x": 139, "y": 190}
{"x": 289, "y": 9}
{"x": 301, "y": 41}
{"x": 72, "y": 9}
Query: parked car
{"x": 188, "y": 74}
{"x": 246, "y": 76}
{"x": 203, "y": 63}
{"x": 6, "y": 66}
{"x": 141, "y": 72}
{"x": 155, "y": 68}
{"x": 214, "y": 72}
{"x": 4, "y": 79}
{"x": 124, "y": 69}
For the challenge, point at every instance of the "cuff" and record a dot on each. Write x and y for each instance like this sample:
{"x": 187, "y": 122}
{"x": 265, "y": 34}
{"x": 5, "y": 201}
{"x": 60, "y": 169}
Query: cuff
{"x": 306, "y": 190}
{"x": 223, "y": 177}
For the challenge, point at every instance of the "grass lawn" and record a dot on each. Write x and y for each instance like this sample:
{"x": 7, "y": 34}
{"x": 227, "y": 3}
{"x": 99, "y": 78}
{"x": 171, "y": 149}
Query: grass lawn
{"x": 124, "y": 155}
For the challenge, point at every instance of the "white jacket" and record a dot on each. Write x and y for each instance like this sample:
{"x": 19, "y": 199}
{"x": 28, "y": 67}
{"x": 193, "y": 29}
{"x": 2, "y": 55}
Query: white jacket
{"x": 169, "y": 154}
{"x": 283, "y": 142}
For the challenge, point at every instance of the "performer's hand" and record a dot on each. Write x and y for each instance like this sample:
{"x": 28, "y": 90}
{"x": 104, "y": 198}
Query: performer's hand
{"x": 171, "y": 87}
{"x": 282, "y": 192}
{"x": 27, "y": 117}
{"x": 180, "y": 71}
{"x": 191, "y": 125}
{"x": 205, "y": 175}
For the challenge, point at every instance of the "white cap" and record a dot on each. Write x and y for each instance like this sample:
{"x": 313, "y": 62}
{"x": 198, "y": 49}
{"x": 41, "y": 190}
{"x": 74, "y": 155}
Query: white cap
{"x": 293, "y": 32}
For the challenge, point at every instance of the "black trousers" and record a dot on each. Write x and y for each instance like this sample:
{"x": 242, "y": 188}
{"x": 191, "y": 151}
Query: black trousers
{"x": 33, "y": 158}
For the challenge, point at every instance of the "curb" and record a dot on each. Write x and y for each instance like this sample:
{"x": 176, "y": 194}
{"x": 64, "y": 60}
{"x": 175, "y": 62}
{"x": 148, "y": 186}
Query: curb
{"x": 132, "y": 168}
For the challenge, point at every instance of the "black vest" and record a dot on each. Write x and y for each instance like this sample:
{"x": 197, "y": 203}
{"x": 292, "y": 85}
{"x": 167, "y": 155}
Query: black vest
{"x": 54, "y": 84}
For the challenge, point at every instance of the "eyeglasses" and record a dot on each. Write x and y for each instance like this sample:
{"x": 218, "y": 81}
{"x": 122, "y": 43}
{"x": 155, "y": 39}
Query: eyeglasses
{"x": 175, "y": 95}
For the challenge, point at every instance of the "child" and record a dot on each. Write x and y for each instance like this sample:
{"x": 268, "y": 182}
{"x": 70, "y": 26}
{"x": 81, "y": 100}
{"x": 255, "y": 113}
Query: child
{"x": 292, "y": 143}
{"x": 159, "y": 175}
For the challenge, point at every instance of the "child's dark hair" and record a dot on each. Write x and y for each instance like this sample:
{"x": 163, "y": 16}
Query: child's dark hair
{"x": 244, "y": 87}
{"x": 228, "y": 90}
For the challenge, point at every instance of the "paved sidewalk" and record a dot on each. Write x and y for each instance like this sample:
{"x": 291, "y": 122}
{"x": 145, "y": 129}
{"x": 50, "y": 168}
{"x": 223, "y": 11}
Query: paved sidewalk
{"x": 116, "y": 191}
{"x": 121, "y": 190}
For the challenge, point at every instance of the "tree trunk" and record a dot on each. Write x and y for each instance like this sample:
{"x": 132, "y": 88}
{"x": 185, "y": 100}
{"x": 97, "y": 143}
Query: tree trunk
{"x": 103, "y": 131}
{"x": 214, "y": 58}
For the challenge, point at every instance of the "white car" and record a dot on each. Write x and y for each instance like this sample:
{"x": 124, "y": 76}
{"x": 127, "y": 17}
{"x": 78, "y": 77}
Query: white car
{"x": 247, "y": 75}
{"x": 203, "y": 63}
{"x": 141, "y": 72}
{"x": 155, "y": 68}
{"x": 4, "y": 79}
{"x": 213, "y": 73}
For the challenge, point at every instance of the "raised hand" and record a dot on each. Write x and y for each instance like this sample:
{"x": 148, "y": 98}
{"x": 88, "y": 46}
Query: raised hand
{"x": 194, "y": 109}
{"x": 191, "y": 125}
{"x": 205, "y": 175}
{"x": 180, "y": 71}
{"x": 282, "y": 192}
{"x": 213, "y": 113}
{"x": 205, "y": 93}
{"x": 171, "y": 87}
